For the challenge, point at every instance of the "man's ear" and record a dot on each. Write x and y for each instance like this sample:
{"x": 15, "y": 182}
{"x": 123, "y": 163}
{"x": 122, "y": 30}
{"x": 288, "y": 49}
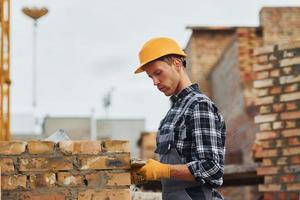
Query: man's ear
{"x": 177, "y": 64}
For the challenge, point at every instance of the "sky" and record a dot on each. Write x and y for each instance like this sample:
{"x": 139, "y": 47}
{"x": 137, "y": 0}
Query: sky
{"x": 86, "y": 48}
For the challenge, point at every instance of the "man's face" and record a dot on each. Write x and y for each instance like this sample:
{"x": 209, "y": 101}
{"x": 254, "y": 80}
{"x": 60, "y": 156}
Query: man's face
{"x": 164, "y": 76}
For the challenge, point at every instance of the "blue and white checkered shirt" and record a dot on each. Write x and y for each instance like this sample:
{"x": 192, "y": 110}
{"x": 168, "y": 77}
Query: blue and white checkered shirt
{"x": 202, "y": 143}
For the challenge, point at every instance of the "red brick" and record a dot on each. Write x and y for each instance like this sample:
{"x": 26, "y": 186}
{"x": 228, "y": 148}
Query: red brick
{"x": 268, "y": 196}
{"x": 290, "y": 96}
{"x": 291, "y": 132}
{"x": 276, "y": 90}
{"x": 116, "y": 161}
{"x": 293, "y": 187}
{"x": 265, "y": 118}
{"x": 290, "y": 124}
{"x": 42, "y": 180}
{"x": 270, "y": 153}
{"x": 115, "y": 146}
{"x": 12, "y": 147}
{"x": 262, "y": 75}
{"x": 269, "y": 187}
{"x": 291, "y": 106}
{"x": 40, "y": 147}
{"x": 267, "y": 162}
{"x": 267, "y": 170}
{"x": 290, "y": 115}
{"x": 7, "y": 165}
{"x": 263, "y": 50}
{"x": 45, "y": 164}
{"x": 279, "y": 143}
{"x": 69, "y": 179}
{"x": 287, "y": 178}
{"x": 294, "y": 141}
{"x": 118, "y": 179}
{"x": 265, "y": 127}
{"x": 263, "y": 59}
{"x": 291, "y": 88}
{"x": 278, "y": 107}
{"x": 80, "y": 147}
{"x": 269, "y": 179}
{"x": 295, "y": 159}
{"x": 268, "y": 144}
{"x": 275, "y": 73}
{"x": 13, "y": 182}
{"x": 262, "y": 92}
{"x": 278, "y": 125}
{"x": 264, "y": 109}
{"x": 289, "y": 79}
{"x": 288, "y": 46}
{"x": 267, "y": 135}
{"x": 289, "y": 61}
{"x": 291, "y": 169}
{"x": 44, "y": 195}
{"x": 263, "y": 83}
{"x": 104, "y": 194}
{"x": 291, "y": 151}
{"x": 282, "y": 161}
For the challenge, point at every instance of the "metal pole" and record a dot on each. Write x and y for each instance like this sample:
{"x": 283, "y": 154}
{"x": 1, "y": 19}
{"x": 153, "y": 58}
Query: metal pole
{"x": 34, "y": 65}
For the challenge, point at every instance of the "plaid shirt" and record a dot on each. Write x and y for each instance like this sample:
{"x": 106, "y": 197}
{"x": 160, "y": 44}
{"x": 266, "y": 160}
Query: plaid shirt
{"x": 199, "y": 136}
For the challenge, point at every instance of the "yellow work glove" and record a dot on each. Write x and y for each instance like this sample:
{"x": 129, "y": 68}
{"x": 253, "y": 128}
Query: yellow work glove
{"x": 154, "y": 170}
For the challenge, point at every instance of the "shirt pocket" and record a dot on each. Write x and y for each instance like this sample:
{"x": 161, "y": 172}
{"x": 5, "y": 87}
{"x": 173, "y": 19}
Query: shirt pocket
{"x": 164, "y": 141}
{"x": 180, "y": 132}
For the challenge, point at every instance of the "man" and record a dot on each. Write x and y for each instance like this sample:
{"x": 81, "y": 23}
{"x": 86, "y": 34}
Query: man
{"x": 191, "y": 137}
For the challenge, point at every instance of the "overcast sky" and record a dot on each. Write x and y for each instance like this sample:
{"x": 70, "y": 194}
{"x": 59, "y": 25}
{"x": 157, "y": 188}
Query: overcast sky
{"x": 86, "y": 47}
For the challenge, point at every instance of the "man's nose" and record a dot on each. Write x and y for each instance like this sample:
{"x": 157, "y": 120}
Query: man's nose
{"x": 155, "y": 81}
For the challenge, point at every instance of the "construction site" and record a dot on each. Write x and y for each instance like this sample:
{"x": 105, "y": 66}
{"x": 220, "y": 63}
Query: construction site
{"x": 251, "y": 73}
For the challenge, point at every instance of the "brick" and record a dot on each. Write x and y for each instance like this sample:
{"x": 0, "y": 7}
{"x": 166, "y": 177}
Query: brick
{"x": 289, "y": 79}
{"x": 295, "y": 159}
{"x": 292, "y": 106}
{"x": 270, "y": 153}
{"x": 7, "y": 165}
{"x": 118, "y": 179}
{"x": 287, "y": 70}
{"x": 45, "y": 195}
{"x": 265, "y": 118}
{"x": 263, "y": 83}
{"x": 12, "y": 147}
{"x": 116, "y": 161}
{"x": 264, "y": 100}
{"x": 263, "y": 59}
{"x": 291, "y": 151}
{"x": 282, "y": 161}
{"x": 289, "y": 61}
{"x": 265, "y": 127}
{"x": 291, "y": 169}
{"x": 262, "y": 75}
{"x": 40, "y": 147}
{"x": 262, "y": 92}
{"x": 268, "y": 144}
{"x": 295, "y": 141}
{"x": 287, "y": 178}
{"x": 69, "y": 179}
{"x": 287, "y": 54}
{"x": 291, "y": 88}
{"x": 45, "y": 164}
{"x": 104, "y": 194}
{"x": 290, "y": 124}
{"x": 267, "y": 135}
{"x": 275, "y": 73}
{"x": 257, "y": 67}
{"x": 291, "y": 45}
{"x": 279, "y": 143}
{"x": 267, "y": 162}
{"x": 80, "y": 147}
{"x": 42, "y": 180}
{"x": 263, "y": 50}
{"x": 290, "y": 115}
{"x": 293, "y": 187}
{"x": 278, "y": 107}
{"x": 276, "y": 90}
{"x": 278, "y": 125}
{"x": 267, "y": 170}
{"x": 290, "y": 96}
{"x": 269, "y": 187}
{"x": 13, "y": 182}
{"x": 115, "y": 146}
{"x": 265, "y": 109}
{"x": 269, "y": 179}
{"x": 291, "y": 132}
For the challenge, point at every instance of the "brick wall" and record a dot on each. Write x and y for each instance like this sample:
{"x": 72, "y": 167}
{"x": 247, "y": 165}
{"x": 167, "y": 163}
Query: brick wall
{"x": 204, "y": 49}
{"x": 278, "y": 90}
{"x": 280, "y": 24}
{"x": 67, "y": 170}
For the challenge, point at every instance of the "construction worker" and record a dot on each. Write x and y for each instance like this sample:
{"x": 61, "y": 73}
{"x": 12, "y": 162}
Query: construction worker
{"x": 191, "y": 137}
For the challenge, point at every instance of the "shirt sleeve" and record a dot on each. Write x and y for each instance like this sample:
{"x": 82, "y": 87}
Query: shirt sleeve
{"x": 208, "y": 130}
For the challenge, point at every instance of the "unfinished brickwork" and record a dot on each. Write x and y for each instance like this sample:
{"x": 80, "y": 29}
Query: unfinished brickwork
{"x": 67, "y": 170}
{"x": 278, "y": 90}
{"x": 147, "y": 145}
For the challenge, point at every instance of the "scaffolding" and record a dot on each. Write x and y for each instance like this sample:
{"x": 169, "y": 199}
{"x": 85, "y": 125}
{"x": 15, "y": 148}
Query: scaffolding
{"x": 5, "y": 71}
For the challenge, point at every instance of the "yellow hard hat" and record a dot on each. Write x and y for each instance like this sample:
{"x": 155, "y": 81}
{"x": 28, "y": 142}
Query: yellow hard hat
{"x": 156, "y": 48}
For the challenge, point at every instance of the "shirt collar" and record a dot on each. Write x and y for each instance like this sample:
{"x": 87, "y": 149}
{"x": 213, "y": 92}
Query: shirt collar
{"x": 184, "y": 93}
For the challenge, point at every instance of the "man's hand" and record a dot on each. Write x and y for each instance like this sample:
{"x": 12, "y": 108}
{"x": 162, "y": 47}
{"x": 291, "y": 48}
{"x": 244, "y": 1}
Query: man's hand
{"x": 154, "y": 170}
